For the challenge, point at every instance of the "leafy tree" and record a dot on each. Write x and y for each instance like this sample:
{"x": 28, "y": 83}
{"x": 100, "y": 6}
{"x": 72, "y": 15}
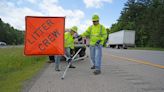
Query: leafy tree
{"x": 10, "y": 35}
{"x": 146, "y": 17}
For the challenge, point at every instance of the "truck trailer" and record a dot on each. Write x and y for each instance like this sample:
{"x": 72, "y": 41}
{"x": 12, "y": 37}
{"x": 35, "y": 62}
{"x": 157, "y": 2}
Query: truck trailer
{"x": 121, "y": 39}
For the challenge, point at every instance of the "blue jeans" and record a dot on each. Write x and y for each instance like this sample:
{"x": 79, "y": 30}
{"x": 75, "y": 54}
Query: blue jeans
{"x": 68, "y": 52}
{"x": 57, "y": 57}
{"x": 96, "y": 56}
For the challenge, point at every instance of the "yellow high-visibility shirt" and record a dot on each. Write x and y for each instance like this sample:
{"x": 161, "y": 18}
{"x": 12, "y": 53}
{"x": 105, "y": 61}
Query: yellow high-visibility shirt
{"x": 95, "y": 33}
{"x": 68, "y": 40}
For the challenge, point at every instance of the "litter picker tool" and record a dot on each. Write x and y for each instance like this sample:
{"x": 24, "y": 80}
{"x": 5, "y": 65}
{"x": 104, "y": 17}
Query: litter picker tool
{"x": 70, "y": 60}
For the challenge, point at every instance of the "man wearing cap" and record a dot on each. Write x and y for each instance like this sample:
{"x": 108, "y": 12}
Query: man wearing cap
{"x": 97, "y": 35}
{"x": 68, "y": 44}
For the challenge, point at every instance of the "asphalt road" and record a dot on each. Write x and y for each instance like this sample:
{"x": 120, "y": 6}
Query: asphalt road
{"x": 156, "y": 57}
{"x": 122, "y": 71}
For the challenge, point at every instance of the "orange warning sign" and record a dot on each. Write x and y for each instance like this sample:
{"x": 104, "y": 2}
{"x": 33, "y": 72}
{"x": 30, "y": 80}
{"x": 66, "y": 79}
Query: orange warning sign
{"x": 44, "y": 35}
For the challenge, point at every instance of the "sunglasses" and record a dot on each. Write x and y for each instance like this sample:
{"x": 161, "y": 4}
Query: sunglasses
{"x": 95, "y": 21}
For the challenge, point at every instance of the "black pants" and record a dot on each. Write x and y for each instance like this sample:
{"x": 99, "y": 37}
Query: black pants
{"x": 52, "y": 58}
{"x": 82, "y": 52}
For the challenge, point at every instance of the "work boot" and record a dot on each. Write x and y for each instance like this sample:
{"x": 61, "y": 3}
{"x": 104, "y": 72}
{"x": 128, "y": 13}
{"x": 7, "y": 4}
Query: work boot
{"x": 71, "y": 66}
{"x": 58, "y": 70}
{"x": 93, "y": 67}
{"x": 96, "y": 72}
{"x": 51, "y": 61}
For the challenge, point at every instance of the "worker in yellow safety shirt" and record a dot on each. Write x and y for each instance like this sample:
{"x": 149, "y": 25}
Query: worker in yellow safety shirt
{"x": 97, "y": 35}
{"x": 68, "y": 44}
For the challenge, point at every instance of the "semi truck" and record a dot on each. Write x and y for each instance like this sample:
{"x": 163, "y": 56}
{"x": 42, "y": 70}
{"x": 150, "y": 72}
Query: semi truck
{"x": 121, "y": 39}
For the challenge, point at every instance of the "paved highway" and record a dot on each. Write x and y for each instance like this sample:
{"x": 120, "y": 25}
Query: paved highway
{"x": 122, "y": 71}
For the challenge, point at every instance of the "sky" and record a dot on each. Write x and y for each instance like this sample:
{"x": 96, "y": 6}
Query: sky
{"x": 77, "y": 12}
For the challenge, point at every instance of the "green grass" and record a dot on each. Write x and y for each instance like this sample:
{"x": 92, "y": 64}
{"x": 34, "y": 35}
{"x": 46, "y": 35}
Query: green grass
{"x": 15, "y": 68}
{"x": 147, "y": 48}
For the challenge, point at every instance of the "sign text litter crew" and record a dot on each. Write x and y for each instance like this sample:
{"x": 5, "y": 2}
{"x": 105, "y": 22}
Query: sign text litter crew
{"x": 42, "y": 30}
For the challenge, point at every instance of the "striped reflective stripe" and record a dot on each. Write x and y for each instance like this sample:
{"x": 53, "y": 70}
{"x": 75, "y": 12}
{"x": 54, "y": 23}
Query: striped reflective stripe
{"x": 99, "y": 33}
{"x": 101, "y": 30}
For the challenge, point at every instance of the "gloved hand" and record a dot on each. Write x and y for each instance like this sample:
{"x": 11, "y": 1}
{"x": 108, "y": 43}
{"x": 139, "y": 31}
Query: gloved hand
{"x": 98, "y": 42}
{"x": 69, "y": 60}
{"x": 72, "y": 52}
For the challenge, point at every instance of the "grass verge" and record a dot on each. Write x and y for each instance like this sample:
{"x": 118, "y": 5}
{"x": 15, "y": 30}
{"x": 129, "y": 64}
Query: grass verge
{"x": 15, "y": 68}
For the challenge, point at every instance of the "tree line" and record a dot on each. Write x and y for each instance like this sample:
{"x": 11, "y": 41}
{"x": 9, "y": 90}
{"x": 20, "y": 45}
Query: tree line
{"x": 146, "y": 17}
{"x": 10, "y": 35}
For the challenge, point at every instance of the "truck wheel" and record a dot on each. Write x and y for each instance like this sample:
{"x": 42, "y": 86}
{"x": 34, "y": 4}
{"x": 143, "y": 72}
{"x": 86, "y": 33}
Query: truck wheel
{"x": 116, "y": 46}
{"x": 120, "y": 47}
{"x": 124, "y": 46}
